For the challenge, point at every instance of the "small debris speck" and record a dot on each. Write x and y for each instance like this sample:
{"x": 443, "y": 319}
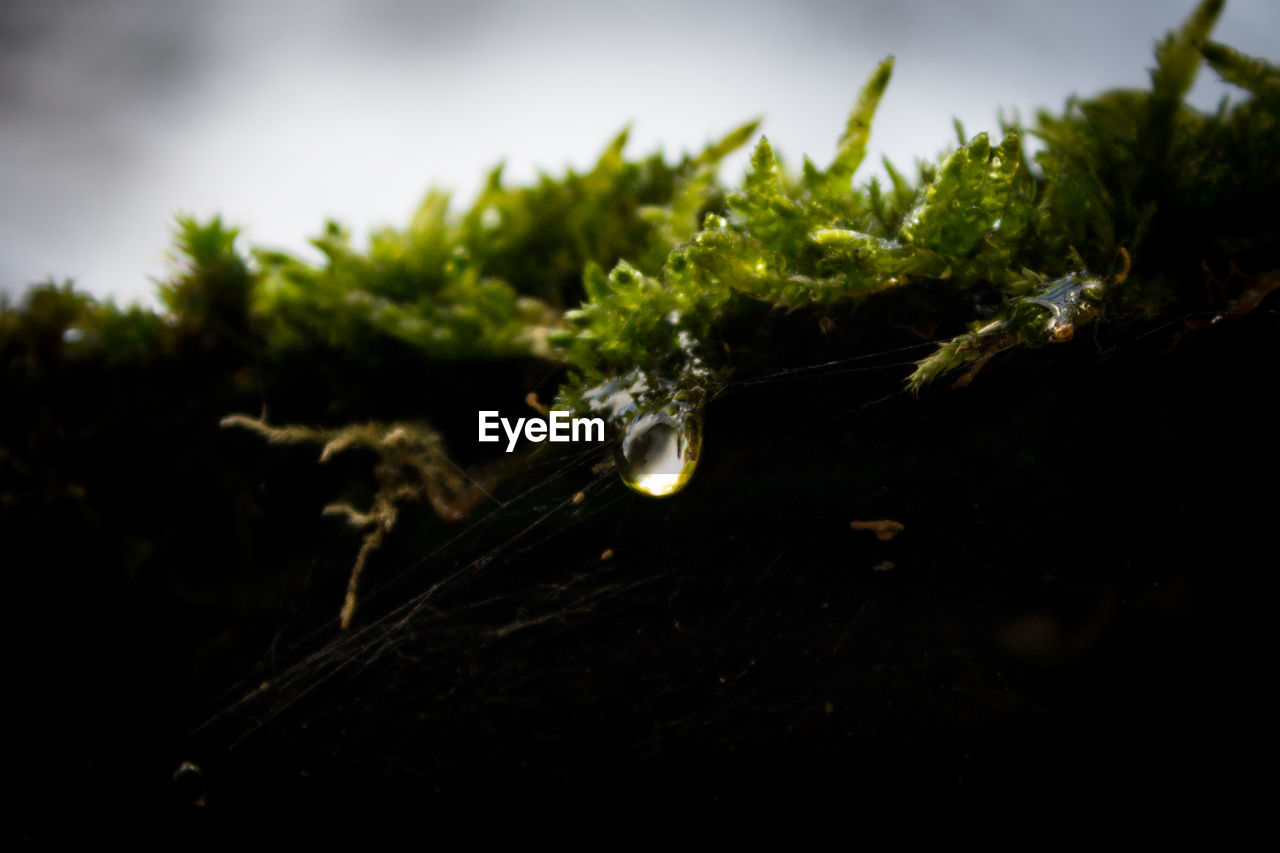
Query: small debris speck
{"x": 884, "y": 529}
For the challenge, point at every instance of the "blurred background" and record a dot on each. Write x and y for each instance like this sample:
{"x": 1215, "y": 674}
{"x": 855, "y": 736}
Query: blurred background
{"x": 116, "y": 115}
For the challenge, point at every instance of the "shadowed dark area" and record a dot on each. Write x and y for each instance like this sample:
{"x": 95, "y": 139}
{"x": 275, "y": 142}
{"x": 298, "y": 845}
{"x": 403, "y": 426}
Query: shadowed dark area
{"x": 1073, "y": 603}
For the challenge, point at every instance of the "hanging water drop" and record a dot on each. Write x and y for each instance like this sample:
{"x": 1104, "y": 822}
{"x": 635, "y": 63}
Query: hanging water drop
{"x": 656, "y": 416}
{"x": 188, "y": 784}
{"x": 659, "y": 451}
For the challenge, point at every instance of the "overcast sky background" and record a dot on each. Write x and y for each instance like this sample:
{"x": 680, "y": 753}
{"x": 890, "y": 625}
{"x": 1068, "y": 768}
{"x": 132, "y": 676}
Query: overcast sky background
{"x": 117, "y": 114}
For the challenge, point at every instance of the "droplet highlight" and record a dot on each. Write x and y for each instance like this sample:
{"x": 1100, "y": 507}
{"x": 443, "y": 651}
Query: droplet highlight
{"x": 656, "y": 417}
{"x": 659, "y": 452}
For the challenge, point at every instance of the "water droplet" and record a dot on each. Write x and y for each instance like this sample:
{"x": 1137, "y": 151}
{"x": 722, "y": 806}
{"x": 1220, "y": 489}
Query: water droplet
{"x": 188, "y": 782}
{"x": 714, "y": 222}
{"x": 659, "y": 451}
{"x": 1069, "y": 302}
{"x": 656, "y": 418}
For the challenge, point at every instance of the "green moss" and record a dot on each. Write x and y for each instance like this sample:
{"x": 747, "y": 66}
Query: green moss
{"x": 521, "y": 272}
{"x": 644, "y": 278}
{"x": 1124, "y": 175}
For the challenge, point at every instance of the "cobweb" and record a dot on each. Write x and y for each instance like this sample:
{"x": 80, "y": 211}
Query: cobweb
{"x": 571, "y": 633}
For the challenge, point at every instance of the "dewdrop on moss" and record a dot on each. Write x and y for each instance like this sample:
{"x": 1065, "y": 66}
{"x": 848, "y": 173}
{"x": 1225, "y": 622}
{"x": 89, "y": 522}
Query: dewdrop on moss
{"x": 657, "y": 419}
{"x": 659, "y": 452}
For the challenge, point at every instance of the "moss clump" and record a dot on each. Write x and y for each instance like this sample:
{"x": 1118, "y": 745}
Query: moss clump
{"x": 651, "y": 276}
{"x": 1125, "y": 177}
